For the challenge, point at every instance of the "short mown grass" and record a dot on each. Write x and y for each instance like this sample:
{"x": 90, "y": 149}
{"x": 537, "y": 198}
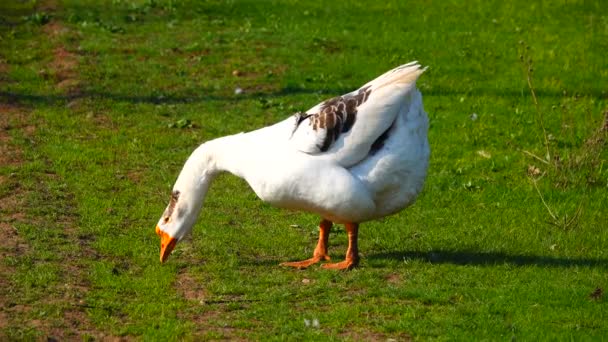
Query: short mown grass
{"x": 504, "y": 242}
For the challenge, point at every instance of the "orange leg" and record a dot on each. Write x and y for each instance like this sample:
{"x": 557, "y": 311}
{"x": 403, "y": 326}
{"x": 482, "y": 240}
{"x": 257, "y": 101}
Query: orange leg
{"x": 320, "y": 253}
{"x": 352, "y": 254}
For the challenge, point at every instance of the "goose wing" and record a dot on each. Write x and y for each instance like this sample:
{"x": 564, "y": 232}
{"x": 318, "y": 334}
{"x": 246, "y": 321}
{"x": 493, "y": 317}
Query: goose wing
{"x": 344, "y": 128}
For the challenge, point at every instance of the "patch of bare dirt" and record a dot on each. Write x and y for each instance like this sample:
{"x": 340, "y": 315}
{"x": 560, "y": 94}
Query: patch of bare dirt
{"x": 54, "y": 29}
{"x": 189, "y": 287}
{"x": 69, "y": 297}
{"x": 207, "y": 313}
{"x": 11, "y": 200}
{"x": 12, "y": 117}
{"x": 3, "y": 65}
{"x": 76, "y": 324}
{"x": 394, "y": 278}
{"x": 367, "y": 335}
{"x": 63, "y": 67}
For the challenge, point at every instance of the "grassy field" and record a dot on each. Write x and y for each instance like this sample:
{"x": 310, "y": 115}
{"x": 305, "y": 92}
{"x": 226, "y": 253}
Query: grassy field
{"x": 101, "y": 102}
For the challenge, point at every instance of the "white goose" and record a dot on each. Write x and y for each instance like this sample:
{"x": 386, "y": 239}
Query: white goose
{"x": 350, "y": 159}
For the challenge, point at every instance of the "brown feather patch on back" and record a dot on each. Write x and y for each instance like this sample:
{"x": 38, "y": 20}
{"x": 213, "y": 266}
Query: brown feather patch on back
{"x": 338, "y": 115}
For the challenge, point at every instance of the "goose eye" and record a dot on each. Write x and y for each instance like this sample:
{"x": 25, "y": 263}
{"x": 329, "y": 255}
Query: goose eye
{"x": 166, "y": 219}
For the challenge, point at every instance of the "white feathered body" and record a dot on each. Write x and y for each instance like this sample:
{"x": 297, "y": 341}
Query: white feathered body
{"x": 351, "y": 168}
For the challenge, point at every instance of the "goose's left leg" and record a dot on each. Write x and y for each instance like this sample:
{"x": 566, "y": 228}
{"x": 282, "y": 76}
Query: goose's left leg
{"x": 320, "y": 253}
{"x": 352, "y": 254}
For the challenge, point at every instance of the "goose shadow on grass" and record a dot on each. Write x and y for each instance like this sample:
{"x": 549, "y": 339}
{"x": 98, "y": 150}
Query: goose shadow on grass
{"x": 461, "y": 258}
{"x": 487, "y": 259}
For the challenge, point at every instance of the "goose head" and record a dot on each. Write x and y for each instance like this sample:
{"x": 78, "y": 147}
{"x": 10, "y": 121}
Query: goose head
{"x": 175, "y": 223}
{"x": 186, "y": 200}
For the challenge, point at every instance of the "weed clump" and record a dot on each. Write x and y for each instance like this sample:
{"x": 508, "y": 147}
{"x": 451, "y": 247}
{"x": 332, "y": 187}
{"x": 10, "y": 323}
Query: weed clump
{"x": 578, "y": 163}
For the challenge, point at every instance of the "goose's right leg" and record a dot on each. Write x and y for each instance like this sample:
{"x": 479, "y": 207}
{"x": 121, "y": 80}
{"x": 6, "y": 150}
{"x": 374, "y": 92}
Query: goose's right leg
{"x": 320, "y": 253}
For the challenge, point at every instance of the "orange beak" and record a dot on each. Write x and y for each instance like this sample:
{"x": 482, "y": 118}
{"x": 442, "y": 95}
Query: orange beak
{"x": 167, "y": 243}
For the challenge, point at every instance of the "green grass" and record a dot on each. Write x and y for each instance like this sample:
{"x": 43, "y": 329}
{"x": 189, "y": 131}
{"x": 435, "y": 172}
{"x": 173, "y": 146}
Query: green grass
{"x": 478, "y": 256}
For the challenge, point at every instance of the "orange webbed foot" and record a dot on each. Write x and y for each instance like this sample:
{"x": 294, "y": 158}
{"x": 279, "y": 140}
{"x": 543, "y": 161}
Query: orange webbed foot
{"x": 352, "y": 254}
{"x": 345, "y": 265}
{"x": 306, "y": 263}
{"x": 320, "y": 253}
